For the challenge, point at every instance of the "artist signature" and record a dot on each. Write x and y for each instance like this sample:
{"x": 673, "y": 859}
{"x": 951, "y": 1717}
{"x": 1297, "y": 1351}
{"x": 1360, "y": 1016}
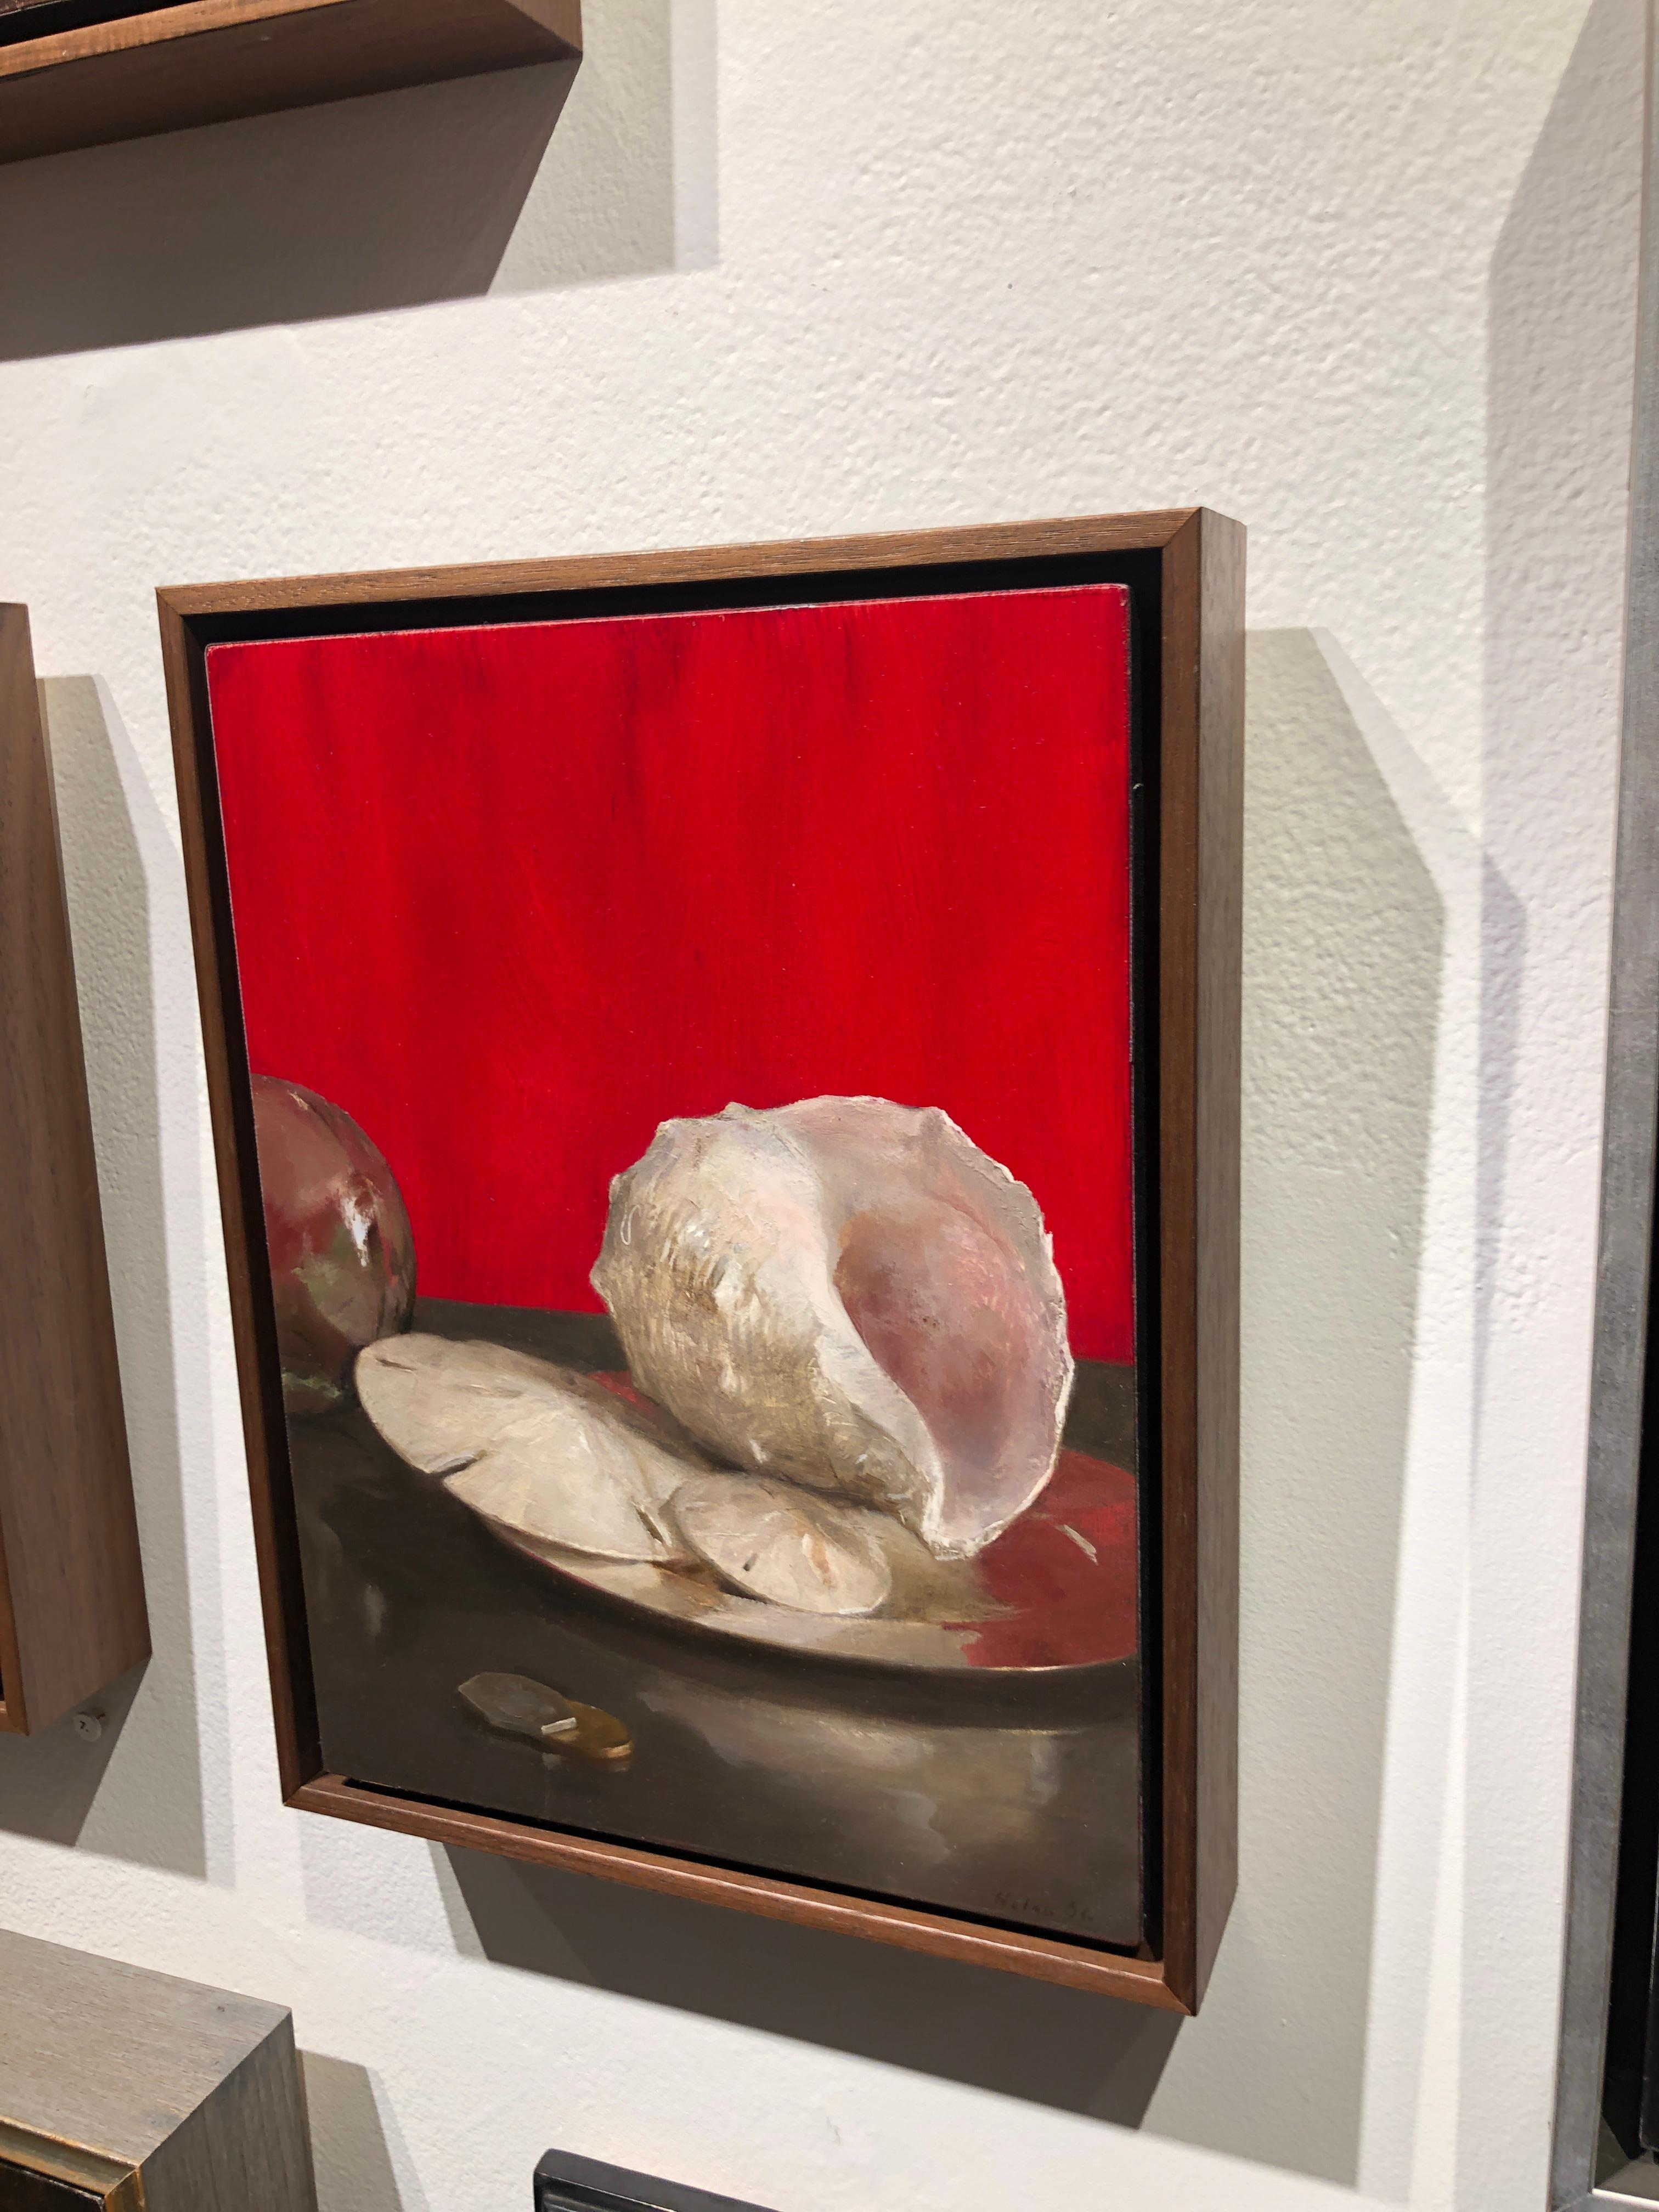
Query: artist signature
{"x": 1018, "y": 1906}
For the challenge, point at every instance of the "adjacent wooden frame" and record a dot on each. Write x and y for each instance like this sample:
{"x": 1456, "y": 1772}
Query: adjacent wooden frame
{"x": 135, "y": 2092}
{"x": 85, "y": 72}
{"x": 72, "y": 1613}
{"x": 1187, "y": 566}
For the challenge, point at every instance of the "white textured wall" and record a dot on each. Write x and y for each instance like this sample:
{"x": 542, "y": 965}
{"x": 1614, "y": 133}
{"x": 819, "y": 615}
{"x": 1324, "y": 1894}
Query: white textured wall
{"x": 1359, "y": 271}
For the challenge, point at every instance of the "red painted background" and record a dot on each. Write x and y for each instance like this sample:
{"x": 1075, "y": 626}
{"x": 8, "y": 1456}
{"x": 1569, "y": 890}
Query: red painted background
{"x": 512, "y": 895}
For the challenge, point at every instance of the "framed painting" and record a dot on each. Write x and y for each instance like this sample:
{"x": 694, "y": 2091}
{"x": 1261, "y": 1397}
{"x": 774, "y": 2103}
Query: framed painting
{"x": 725, "y": 1073}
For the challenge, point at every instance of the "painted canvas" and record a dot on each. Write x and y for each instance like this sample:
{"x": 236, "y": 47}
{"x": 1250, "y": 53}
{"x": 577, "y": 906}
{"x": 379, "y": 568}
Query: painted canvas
{"x": 692, "y": 1065}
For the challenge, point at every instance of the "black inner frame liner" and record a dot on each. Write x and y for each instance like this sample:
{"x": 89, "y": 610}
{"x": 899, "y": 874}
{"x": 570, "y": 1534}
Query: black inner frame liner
{"x": 22, "y": 20}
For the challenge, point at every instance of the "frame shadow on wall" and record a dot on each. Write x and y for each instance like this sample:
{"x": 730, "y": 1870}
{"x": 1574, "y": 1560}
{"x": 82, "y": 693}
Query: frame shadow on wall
{"x": 1344, "y": 934}
{"x": 445, "y": 191}
{"x": 1345, "y": 929}
{"x": 362, "y": 2162}
{"x": 135, "y": 1791}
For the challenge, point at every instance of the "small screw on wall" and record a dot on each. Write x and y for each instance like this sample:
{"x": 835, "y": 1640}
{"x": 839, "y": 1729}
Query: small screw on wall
{"x": 90, "y": 1726}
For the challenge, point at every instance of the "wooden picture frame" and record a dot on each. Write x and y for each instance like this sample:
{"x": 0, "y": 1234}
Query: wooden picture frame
{"x": 72, "y": 1613}
{"x": 78, "y": 73}
{"x": 136, "y": 2092}
{"x": 1184, "y": 568}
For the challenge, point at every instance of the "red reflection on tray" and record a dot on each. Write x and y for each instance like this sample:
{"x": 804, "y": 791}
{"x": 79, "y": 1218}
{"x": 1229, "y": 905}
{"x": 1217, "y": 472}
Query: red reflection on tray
{"x": 1066, "y": 1570}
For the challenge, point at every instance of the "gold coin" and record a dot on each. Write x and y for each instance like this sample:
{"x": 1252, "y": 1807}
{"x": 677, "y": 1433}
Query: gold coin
{"x": 598, "y": 1736}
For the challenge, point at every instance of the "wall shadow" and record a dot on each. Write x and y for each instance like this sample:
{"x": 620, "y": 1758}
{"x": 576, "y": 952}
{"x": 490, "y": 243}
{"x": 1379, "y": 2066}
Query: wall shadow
{"x": 443, "y": 192}
{"x": 49, "y": 1782}
{"x": 626, "y": 187}
{"x": 361, "y": 2162}
{"x": 1559, "y": 392}
{"x": 137, "y": 1793}
{"x": 1561, "y": 297}
{"x": 1066, "y": 2048}
{"x": 367, "y": 204}
{"x": 1345, "y": 935}
{"x": 1343, "y": 931}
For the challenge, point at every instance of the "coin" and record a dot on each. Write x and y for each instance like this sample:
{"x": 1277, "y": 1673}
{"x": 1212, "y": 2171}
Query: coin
{"x": 519, "y": 1706}
{"x": 598, "y": 1736}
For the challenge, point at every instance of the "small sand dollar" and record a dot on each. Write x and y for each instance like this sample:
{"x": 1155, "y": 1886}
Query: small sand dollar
{"x": 771, "y": 1540}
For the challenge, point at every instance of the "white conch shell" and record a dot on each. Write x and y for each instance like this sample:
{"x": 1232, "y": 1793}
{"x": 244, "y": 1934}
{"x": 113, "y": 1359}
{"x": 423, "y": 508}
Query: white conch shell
{"x": 534, "y": 1448}
{"x": 852, "y": 1294}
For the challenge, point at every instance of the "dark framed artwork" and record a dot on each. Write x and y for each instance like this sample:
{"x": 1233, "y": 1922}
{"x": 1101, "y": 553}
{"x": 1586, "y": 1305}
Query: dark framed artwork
{"x": 725, "y": 1071}
{"x": 566, "y": 2183}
